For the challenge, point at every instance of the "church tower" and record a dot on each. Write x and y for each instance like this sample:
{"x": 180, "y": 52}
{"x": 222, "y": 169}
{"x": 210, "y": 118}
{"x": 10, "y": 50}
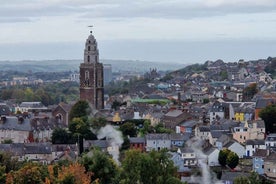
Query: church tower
{"x": 91, "y": 75}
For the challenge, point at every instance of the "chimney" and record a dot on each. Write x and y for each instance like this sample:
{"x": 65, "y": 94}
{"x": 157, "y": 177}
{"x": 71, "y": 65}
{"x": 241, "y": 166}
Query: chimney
{"x": 20, "y": 119}
{"x": 179, "y": 98}
{"x": 3, "y": 119}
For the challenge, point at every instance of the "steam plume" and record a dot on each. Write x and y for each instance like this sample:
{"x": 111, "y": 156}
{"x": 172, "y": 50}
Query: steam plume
{"x": 115, "y": 139}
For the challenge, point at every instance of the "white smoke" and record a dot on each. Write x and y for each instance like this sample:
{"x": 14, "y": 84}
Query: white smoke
{"x": 195, "y": 145}
{"x": 114, "y": 137}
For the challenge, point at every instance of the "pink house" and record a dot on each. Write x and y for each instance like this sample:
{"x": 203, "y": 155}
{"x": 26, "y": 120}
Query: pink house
{"x": 249, "y": 130}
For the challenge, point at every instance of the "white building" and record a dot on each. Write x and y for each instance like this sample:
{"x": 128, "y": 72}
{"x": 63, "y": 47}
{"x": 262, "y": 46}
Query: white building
{"x": 158, "y": 141}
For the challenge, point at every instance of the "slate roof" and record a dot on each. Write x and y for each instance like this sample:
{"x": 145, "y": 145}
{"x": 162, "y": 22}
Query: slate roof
{"x": 255, "y": 142}
{"x": 103, "y": 144}
{"x": 19, "y": 149}
{"x": 12, "y": 123}
{"x": 45, "y": 124}
{"x": 260, "y": 153}
{"x": 66, "y": 107}
{"x": 271, "y": 137}
{"x": 189, "y": 123}
{"x": 216, "y": 134}
{"x": 38, "y": 148}
{"x": 158, "y": 137}
{"x": 157, "y": 115}
{"x": 180, "y": 136}
{"x": 178, "y": 162}
{"x": 271, "y": 157}
{"x": 209, "y": 150}
{"x": 15, "y": 149}
{"x": 229, "y": 144}
{"x": 223, "y": 138}
{"x": 64, "y": 147}
{"x": 260, "y": 124}
{"x": 187, "y": 150}
{"x": 263, "y": 102}
{"x": 32, "y": 105}
{"x": 204, "y": 129}
{"x": 230, "y": 176}
{"x": 174, "y": 113}
{"x": 137, "y": 140}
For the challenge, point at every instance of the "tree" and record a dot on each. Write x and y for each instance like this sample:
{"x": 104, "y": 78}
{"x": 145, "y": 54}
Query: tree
{"x": 2, "y": 174}
{"x": 74, "y": 174}
{"x": 224, "y": 75}
{"x": 80, "y": 130}
{"x": 81, "y": 109}
{"x": 61, "y": 136}
{"x": 131, "y": 167}
{"x": 160, "y": 128}
{"x": 128, "y": 129}
{"x": 268, "y": 114}
{"x": 232, "y": 160}
{"x": 253, "y": 178}
{"x": 115, "y": 105}
{"x": 223, "y": 157}
{"x": 29, "y": 94}
{"x": 97, "y": 123}
{"x": 153, "y": 167}
{"x": 241, "y": 180}
{"x": 249, "y": 92}
{"x": 30, "y": 173}
{"x": 101, "y": 165}
{"x": 9, "y": 162}
{"x": 147, "y": 128}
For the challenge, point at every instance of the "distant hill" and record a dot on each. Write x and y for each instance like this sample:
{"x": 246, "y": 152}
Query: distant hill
{"x": 72, "y": 65}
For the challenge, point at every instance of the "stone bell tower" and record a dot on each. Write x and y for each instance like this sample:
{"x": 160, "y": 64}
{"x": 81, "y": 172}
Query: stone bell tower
{"x": 91, "y": 75}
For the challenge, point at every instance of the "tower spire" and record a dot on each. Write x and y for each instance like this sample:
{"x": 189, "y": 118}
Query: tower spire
{"x": 90, "y": 27}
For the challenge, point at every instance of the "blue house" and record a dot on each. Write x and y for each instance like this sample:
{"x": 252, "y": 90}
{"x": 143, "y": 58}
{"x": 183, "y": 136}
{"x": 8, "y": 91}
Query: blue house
{"x": 258, "y": 160}
{"x": 179, "y": 139}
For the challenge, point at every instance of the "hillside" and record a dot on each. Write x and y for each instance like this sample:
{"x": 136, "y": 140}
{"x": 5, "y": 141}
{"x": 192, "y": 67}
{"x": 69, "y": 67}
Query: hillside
{"x": 72, "y": 65}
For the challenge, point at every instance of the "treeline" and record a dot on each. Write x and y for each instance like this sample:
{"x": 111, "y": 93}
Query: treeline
{"x": 48, "y": 94}
{"x": 95, "y": 167}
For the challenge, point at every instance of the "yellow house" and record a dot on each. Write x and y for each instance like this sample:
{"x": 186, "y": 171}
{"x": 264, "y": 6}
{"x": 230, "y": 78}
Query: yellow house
{"x": 239, "y": 116}
{"x": 154, "y": 120}
{"x": 116, "y": 118}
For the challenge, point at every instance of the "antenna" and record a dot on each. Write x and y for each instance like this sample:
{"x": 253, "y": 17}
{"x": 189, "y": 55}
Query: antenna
{"x": 90, "y": 27}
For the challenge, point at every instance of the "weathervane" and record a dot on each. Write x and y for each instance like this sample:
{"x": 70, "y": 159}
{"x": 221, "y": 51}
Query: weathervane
{"x": 90, "y": 28}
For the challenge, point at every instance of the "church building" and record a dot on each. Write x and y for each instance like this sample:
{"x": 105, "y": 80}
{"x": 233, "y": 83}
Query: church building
{"x": 91, "y": 75}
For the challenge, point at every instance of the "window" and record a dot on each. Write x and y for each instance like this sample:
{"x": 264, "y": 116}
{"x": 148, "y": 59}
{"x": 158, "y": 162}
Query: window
{"x": 86, "y": 74}
{"x": 88, "y": 59}
{"x": 88, "y": 48}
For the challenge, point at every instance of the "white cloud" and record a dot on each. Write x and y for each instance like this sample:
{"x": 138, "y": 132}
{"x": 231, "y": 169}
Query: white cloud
{"x": 36, "y": 21}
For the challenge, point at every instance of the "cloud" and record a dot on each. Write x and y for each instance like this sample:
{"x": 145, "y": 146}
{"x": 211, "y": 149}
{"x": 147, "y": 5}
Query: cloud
{"x": 86, "y": 9}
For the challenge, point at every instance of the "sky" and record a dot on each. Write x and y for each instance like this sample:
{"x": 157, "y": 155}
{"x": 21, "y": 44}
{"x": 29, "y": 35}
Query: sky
{"x": 181, "y": 31}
